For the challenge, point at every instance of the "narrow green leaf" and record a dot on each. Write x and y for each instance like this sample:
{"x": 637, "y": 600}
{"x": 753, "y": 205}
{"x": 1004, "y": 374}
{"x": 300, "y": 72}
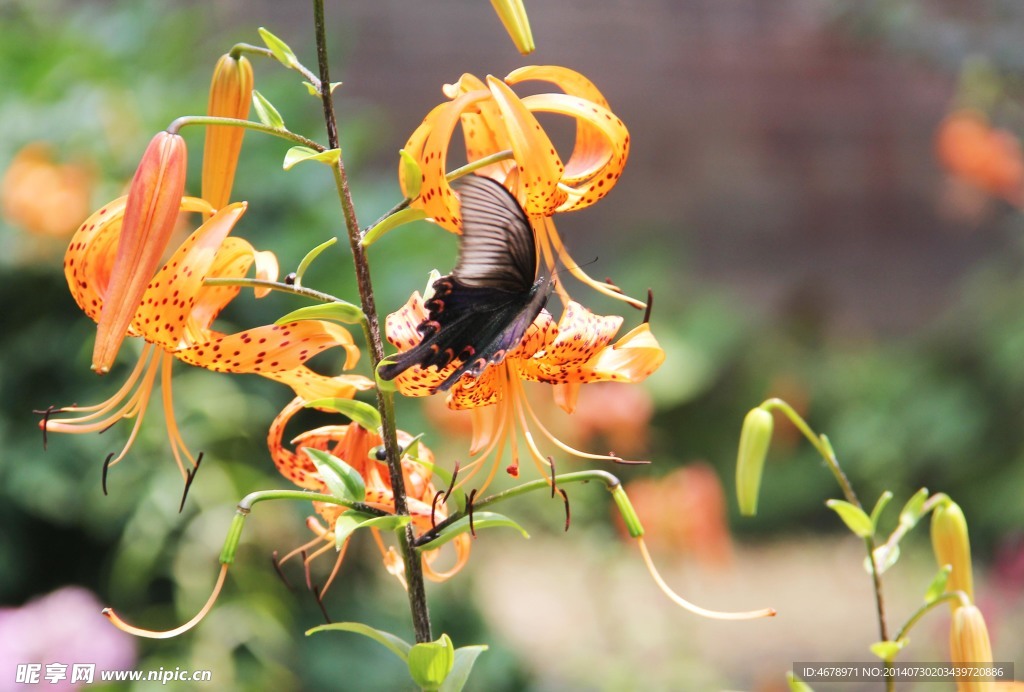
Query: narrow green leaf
{"x": 396, "y": 645}
{"x": 465, "y": 657}
{"x": 359, "y": 411}
{"x": 854, "y": 517}
{"x": 310, "y": 256}
{"x": 481, "y": 520}
{"x": 346, "y": 313}
{"x": 912, "y": 511}
{"x": 341, "y": 479}
{"x": 297, "y": 155}
{"x": 796, "y": 684}
{"x": 938, "y": 584}
{"x": 279, "y": 48}
{"x": 880, "y": 505}
{"x": 887, "y": 650}
{"x": 430, "y": 662}
{"x": 266, "y": 112}
{"x": 399, "y": 218}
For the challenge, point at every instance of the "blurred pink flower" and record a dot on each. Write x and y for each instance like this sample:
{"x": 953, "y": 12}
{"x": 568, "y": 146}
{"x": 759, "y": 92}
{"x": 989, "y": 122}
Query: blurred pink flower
{"x": 65, "y": 627}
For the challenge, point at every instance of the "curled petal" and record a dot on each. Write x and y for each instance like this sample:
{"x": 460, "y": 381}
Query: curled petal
{"x": 400, "y": 325}
{"x": 170, "y": 297}
{"x": 539, "y": 167}
{"x": 630, "y": 359}
{"x": 602, "y": 147}
{"x": 267, "y": 269}
{"x": 312, "y": 385}
{"x": 569, "y": 81}
{"x": 151, "y": 210}
{"x": 270, "y": 348}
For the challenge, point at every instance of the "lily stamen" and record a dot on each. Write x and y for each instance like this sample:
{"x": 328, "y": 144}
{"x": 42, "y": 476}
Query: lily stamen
{"x": 695, "y": 609}
{"x": 167, "y": 634}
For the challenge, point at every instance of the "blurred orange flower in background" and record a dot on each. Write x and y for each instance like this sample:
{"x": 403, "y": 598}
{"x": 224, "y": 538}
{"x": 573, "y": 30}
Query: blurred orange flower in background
{"x": 684, "y": 513}
{"x": 44, "y": 197}
{"x": 986, "y": 157}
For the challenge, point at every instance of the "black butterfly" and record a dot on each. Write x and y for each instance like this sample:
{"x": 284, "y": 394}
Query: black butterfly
{"x": 480, "y": 311}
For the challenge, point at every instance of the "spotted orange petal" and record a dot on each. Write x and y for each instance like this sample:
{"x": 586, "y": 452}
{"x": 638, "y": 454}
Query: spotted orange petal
{"x": 539, "y": 166}
{"x": 173, "y": 293}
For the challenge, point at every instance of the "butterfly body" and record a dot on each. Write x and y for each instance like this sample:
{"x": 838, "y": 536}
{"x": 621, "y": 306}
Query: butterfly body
{"x": 480, "y": 312}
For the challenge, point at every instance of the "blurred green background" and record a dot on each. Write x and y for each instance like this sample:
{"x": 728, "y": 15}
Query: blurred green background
{"x": 783, "y": 202}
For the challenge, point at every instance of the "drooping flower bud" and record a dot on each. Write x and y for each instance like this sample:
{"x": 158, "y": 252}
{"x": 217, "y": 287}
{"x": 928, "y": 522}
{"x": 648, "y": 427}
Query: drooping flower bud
{"x": 230, "y": 97}
{"x": 154, "y": 200}
{"x": 952, "y": 546}
{"x": 969, "y": 645}
{"x": 755, "y": 439}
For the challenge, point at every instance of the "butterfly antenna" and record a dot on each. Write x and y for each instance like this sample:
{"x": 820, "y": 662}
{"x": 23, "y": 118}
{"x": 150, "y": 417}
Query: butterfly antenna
{"x": 650, "y": 306}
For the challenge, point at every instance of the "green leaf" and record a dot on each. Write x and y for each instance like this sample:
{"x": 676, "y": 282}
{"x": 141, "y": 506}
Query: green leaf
{"x": 396, "y": 645}
{"x": 350, "y": 521}
{"x": 430, "y": 662}
{"x": 266, "y": 112}
{"x": 346, "y": 524}
{"x": 382, "y": 384}
{"x": 481, "y": 520}
{"x": 465, "y": 657}
{"x": 854, "y": 517}
{"x": 341, "y": 479}
{"x": 313, "y": 91}
{"x": 346, "y": 313}
{"x": 887, "y": 650}
{"x": 938, "y": 584}
{"x": 880, "y": 505}
{"x": 411, "y": 173}
{"x": 913, "y": 510}
{"x": 359, "y": 411}
{"x": 279, "y": 48}
{"x": 399, "y": 218}
{"x": 310, "y": 256}
{"x": 297, "y": 155}
{"x": 796, "y": 684}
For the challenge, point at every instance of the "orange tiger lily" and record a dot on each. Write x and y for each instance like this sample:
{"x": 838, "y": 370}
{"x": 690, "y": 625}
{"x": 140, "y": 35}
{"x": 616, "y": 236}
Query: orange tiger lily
{"x": 575, "y": 350}
{"x": 495, "y": 120}
{"x": 174, "y": 317}
{"x": 353, "y": 444}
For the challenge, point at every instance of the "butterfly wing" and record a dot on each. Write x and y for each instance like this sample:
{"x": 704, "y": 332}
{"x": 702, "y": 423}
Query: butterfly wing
{"x": 483, "y": 308}
{"x": 497, "y": 249}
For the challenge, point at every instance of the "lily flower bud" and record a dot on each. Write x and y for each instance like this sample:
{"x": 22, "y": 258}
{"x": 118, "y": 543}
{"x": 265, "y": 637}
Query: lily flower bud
{"x": 952, "y": 546}
{"x": 755, "y": 439}
{"x": 517, "y": 24}
{"x": 969, "y": 644}
{"x": 154, "y": 200}
{"x": 230, "y": 97}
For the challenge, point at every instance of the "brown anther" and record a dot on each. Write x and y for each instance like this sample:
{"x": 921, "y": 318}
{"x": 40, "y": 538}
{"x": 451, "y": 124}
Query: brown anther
{"x": 469, "y": 509}
{"x": 106, "y": 467}
{"x": 189, "y": 477}
{"x": 451, "y": 486}
{"x": 433, "y": 507}
{"x": 320, "y": 602}
{"x": 565, "y": 497}
{"x": 46, "y": 413}
{"x": 650, "y": 305}
{"x": 305, "y": 567}
{"x": 280, "y": 572}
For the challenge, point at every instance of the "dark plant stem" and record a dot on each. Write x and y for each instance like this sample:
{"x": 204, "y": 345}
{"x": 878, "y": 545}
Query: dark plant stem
{"x": 385, "y": 400}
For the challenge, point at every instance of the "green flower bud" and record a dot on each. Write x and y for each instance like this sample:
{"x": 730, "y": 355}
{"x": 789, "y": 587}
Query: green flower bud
{"x": 754, "y": 442}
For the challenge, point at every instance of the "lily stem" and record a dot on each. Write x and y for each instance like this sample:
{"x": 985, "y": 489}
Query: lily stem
{"x": 824, "y": 448}
{"x": 385, "y": 400}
